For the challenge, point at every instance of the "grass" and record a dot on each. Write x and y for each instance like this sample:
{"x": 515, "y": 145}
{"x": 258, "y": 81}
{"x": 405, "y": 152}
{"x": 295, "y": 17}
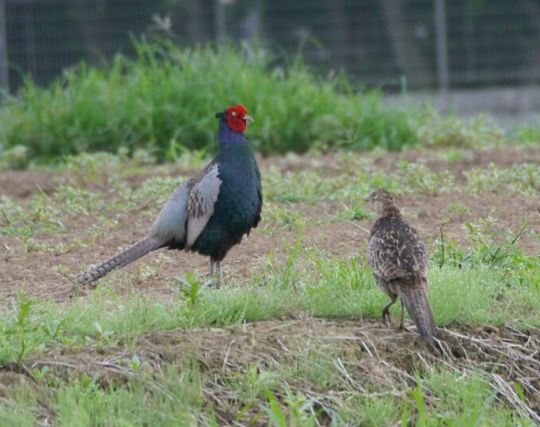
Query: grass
{"x": 83, "y": 402}
{"x": 165, "y": 99}
{"x": 435, "y": 130}
{"x": 178, "y": 401}
{"x": 162, "y": 102}
{"x": 290, "y": 343}
{"x": 529, "y": 134}
{"x": 317, "y": 284}
{"x": 315, "y": 378}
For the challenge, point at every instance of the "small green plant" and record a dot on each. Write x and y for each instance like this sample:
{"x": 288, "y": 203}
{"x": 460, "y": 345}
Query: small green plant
{"x": 190, "y": 289}
{"x": 18, "y": 333}
{"x": 356, "y": 212}
{"x": 433, "y": 129}
{"x": 518, "y": 179}
{"x": 458, "y": 209}
{"x": 419, "y": 178}
{"x": 15, "y": 157}
{"x": 486, "y": 248}
{"x": 528, "y": 134}
{"x": 294, "y": 413}
{"x": 101, "y": 169}
{"x": 453, "y": 156}
{"x": 278, "y": 217}
{"x": 418, "y": 396}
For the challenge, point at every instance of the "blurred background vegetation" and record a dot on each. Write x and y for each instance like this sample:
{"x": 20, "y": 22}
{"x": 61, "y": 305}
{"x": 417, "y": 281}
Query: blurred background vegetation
{"x": 164, "y": 100}
{"x": 110, "y": 75}
{"x": 379, "y": 42}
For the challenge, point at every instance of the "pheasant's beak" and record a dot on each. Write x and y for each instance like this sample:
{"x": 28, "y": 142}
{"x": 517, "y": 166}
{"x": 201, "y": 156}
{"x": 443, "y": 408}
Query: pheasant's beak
{"x": 247, "y": 118}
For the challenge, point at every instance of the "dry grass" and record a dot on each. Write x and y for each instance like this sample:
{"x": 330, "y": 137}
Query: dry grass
{"x": 363, "y": 357}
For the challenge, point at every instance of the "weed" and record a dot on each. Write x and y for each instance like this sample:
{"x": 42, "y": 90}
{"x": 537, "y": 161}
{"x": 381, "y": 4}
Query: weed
{"x": 165, "y": 99}
{"x": 529, "y": 134}
{"x": 18, "y": 333}
{"x": 190, "y": 288}
{"x": 295, "y": 414}
{"x": 432, "y": 129}
{"x": 419, "y": 178}
{"x": 458, "y": 209}
{"x": 519, "y": 179}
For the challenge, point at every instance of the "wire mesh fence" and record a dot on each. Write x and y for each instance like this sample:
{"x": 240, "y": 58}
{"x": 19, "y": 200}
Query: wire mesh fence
{"x": 418, "y": 44}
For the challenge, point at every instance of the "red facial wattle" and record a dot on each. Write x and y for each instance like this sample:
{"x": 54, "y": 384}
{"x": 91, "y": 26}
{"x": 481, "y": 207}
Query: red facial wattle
{"x": 236, "y": 118}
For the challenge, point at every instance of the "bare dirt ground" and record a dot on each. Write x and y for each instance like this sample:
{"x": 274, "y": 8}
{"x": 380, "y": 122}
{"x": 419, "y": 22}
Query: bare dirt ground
{"x": 50, "y": 275}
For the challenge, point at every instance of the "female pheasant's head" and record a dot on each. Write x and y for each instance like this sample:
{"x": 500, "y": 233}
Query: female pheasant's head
{"x": 380, "y": 195}
{"x": 384, "y": 202}
{"x": 236, "y": 117}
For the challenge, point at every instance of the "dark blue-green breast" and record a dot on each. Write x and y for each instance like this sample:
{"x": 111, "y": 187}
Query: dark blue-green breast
{"x": 238, "y": 205}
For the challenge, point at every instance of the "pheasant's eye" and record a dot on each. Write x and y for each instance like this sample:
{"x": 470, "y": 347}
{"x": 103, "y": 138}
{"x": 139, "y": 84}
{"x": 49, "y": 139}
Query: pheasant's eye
{"x": 234, "y": 114}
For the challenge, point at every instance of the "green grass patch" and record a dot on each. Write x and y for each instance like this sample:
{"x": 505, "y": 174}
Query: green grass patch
{"x": 317, "y": 384}
{"x": 164, "y": 101}
{"x": 172, "y": 398}
{"x": 436, "y": 130}
{"x": 308, "y": 281}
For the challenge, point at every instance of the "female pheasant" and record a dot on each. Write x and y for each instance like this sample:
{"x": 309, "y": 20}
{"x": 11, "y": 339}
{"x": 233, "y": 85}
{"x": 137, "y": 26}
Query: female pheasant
{"x": 211, "y": 212}
{"x": 399, "y": 262}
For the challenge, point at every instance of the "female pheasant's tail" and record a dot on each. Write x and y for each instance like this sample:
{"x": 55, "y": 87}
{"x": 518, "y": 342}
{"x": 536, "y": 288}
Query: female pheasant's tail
{"x": 416, "y": 302}
{"x": 132, "y": 253}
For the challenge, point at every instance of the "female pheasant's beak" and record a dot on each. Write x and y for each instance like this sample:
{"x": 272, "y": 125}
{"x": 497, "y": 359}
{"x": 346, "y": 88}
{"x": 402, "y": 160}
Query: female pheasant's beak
{"x": 247, "y": 118}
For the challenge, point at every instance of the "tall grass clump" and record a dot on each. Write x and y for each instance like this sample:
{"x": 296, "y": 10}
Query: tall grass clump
{"x": 165, "y": 98}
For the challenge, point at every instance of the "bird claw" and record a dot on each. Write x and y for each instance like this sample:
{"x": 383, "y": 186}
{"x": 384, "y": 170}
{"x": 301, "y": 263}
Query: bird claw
{"x": 216, "y": 281}
{"x": 404, "y": 329}
{"x": 215, "y": 276}
{"x": 213, "y": 280}
{"x": 387, "y": 319}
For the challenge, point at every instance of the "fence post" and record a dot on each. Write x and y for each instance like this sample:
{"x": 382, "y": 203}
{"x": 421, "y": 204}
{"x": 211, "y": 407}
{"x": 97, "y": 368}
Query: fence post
{"x": 443, "y": 74}
{"x": 4, "y": 71}
{"x": 220, "y": 21}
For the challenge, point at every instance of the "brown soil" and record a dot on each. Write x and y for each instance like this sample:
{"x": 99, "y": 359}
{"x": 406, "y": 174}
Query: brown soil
{"x": 50, "y": 273}
{"x": 22, "y": 184}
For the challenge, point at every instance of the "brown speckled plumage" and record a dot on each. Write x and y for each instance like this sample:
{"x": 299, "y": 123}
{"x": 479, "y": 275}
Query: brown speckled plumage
{"x": 399, "y": 262}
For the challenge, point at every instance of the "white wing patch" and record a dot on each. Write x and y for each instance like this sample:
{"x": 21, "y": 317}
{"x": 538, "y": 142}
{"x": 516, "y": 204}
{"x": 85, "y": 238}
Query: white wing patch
{"x": 170, "y": 224}
{"x": 202, "y": 199}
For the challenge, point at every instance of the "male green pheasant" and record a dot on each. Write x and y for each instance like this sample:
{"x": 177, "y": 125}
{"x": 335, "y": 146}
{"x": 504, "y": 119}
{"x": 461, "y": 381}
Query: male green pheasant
{"x": 212, "y": 211}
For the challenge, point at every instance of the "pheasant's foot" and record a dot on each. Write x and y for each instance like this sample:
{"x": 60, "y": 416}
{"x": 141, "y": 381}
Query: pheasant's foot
{"x": 386, "y": 317}
{"x": 215, "y": 274}
{"x": 401, "y": 326}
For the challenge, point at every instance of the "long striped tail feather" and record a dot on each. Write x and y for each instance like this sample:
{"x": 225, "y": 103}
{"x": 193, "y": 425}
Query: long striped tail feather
{"x": 121, "y": 259}
{"x": 416, "y": 302}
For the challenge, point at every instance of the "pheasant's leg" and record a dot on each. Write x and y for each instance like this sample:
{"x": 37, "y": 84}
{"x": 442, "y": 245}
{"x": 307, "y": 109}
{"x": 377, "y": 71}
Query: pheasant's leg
{"x": 220, "y": 280}
{"x": 401, "y": 323}
{"x": 386, "y": 312}
{"x": 215, "y": 273}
